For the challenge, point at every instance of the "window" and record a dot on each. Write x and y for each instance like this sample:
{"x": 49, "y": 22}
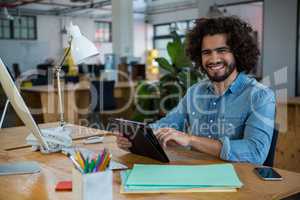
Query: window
{"x": 23, "y": 27}
{"x": 103, "y": 32}
{"x": 162, "y": 34}
{"x": 5, "y": 29}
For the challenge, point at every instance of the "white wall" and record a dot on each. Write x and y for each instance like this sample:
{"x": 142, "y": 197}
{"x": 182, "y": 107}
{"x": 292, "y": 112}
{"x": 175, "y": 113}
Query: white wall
{"x": 140, "y": 37}
{"x": 279, "y": 47}
{"x": 29, "y": 53}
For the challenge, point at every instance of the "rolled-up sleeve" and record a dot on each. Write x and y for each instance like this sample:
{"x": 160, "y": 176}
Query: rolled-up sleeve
{"x": 258, "y": 132}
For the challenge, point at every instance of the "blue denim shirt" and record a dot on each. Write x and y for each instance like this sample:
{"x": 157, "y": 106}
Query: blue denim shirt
{"x": 242, "y": 119}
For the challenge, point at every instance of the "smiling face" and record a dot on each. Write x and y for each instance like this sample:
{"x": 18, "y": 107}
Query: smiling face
{"x": 217, "y": 58}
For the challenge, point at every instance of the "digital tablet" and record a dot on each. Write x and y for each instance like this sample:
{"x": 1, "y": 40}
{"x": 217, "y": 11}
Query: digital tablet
{"x": 141, "y": 136}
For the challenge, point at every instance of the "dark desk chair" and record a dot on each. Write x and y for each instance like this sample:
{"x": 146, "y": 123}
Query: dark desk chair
{"x": 81, "y": 70}
{"x": 42, "y": 77}
{"x": 271, "y": 155}
{"x": 16, "y": 70}
{"x": 71, "y": 79}
{"x": 95, "y": 70}
{"x": 102, "y": 99}
{"x": 98, "y": 69}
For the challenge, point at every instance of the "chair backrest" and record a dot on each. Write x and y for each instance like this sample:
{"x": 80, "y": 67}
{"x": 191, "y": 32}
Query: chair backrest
{"x": 42, "y": 76}
{"x": 98, "y": 69}
{"x": 102, "y": 95}
{"x": 138, "y": 72}
{"x": 16, "y": 70}
{"x": 271, "y": 155}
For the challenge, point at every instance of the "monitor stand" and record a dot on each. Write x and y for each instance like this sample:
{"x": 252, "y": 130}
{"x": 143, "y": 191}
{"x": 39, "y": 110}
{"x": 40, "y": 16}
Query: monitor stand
{"x": 4, "y": 113}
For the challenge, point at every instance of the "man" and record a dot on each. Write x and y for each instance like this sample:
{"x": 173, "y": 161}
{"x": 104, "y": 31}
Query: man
{"x": 231, "y": 115}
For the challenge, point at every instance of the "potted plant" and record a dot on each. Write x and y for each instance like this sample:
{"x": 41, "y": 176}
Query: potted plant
{"x": 177, "y": 75}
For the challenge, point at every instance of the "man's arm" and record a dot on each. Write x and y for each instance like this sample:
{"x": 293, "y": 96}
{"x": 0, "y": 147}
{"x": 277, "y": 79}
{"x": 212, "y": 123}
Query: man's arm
{"x": 258, "y": 132}
{"x": 168, "y": 136}
{"x": 254, "y": 146}
{"x": 206, "y": 145}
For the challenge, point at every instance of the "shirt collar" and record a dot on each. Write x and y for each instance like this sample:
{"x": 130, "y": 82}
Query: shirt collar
{"x": 238, "y": 84}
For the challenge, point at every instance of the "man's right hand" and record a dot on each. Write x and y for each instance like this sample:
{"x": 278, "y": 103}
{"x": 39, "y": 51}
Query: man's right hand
{"x": 123, "y": 142}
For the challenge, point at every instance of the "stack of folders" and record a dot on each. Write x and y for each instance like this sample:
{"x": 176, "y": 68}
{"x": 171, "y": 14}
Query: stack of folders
{"x": 180, "y": 178}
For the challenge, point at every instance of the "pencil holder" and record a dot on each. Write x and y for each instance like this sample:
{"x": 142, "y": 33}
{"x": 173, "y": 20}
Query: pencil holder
{"x": 92, "y": 186}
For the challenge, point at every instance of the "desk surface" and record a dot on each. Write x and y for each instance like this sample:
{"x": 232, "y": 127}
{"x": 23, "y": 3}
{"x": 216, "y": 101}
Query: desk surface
{"x": 56, "y": 167}
{"x": 15, "y": 138}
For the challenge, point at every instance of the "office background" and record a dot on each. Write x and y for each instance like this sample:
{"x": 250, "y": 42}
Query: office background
{"x": 125, "y": 31}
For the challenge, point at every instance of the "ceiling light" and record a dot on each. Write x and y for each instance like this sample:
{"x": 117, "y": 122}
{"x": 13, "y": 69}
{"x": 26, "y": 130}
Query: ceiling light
{"x": 214, "y": 12}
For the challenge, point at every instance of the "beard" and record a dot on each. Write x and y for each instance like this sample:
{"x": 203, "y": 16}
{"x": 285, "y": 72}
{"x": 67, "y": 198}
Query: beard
{"x": 215, "y": 76}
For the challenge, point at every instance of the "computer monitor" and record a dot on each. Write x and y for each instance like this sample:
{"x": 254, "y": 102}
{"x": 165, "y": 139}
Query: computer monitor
{"x": 19, "y": 105}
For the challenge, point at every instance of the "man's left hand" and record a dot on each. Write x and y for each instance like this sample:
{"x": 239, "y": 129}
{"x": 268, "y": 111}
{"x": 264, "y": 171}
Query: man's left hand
{"x": 169, "y": 136}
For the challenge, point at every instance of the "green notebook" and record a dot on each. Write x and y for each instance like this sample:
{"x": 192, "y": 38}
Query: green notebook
{"x": 166, "y": 188}
{"x": 182, "y": 176}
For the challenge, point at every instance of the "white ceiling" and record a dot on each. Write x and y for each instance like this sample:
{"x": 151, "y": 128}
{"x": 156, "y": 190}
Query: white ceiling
{"x": 89, "y": 8}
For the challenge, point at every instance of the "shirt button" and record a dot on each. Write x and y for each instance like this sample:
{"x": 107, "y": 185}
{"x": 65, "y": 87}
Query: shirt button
{"x": 211, "y": 121}
{"x": 193, "y": 113}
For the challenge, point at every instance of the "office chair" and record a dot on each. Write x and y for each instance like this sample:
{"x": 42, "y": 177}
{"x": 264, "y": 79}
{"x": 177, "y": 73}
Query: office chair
{"x": 42, "y": 76}
{"x": 16, "y": 70}
{"x": 65, "y": 69}
{"x": 81, "y": 69}
{"x": 71, "y": 79}
{"x": 138, "y": 72}
{"x": 98, "y": 69}
{"x": 271, "y": 155}
{"x": 90, "y": 70}
{"x": 102, "y": 99}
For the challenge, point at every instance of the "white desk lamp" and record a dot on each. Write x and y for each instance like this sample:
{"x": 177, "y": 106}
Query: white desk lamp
{"x": 50, "y": 139}
{"x": 81, "y": 49}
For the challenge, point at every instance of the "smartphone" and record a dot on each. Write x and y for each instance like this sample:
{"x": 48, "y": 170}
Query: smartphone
{"x": 267, "y": 173}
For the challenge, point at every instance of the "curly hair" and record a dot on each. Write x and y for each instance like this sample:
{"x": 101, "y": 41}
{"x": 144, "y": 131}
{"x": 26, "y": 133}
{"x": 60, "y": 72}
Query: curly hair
{"x": 239, "y": 38}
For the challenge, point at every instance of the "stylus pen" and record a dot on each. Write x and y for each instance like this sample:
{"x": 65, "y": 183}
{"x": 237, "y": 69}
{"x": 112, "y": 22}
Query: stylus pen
{"x": 75, "y": 163}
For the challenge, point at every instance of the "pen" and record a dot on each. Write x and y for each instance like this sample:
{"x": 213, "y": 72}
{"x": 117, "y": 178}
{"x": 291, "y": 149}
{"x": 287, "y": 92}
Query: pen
{"x": 86, "y": 165}
{"x": 79, "y": 159}
{"x": 92, "y": 165}
{"x": 107, "y": 161}
{"x": 104, "y": 155}
{"x": 98, "y": 161}
{"x": 101, "y": 159}
{"x": 75, "y": 163}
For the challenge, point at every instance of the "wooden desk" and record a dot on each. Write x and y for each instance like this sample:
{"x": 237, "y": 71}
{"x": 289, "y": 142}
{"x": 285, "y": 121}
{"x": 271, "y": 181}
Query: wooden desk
{"x": 56, "y": 167}
{"x": 43, "y": 100}
{"x": 15, "y": 138}
{"x": 287, "y": 154}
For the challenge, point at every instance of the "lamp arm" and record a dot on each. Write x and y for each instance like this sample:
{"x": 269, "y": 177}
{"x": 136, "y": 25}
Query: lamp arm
{"x": 60, "y": 98}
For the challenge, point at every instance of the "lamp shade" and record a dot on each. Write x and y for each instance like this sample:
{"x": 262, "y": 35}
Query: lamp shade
{"x": 81, "y": 48}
